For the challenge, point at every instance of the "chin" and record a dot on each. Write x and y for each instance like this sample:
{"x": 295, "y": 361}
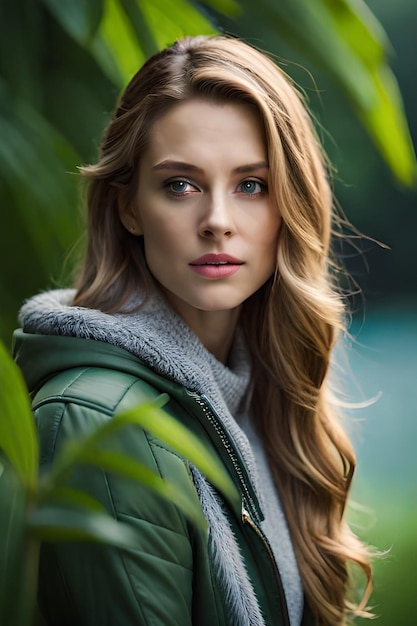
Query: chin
{"x": 214, "y": 307}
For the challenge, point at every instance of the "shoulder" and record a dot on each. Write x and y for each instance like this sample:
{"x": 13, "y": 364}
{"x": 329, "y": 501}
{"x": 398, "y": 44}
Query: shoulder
{"x": 103, "y": 389}
{"x": 74, "y": 402}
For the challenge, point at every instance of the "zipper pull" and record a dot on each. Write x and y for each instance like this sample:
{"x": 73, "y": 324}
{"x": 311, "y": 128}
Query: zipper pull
{"x": 247, "y": 519}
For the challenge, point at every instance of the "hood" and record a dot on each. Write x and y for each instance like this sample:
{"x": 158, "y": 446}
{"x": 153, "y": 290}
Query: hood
{"x": 155, "y": 334}
{"x": 42, "y": 356}
{"x": 152, "y": 342}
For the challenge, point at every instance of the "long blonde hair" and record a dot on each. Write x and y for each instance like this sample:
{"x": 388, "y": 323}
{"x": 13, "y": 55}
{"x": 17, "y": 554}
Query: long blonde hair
{"x": 291, "y": 323}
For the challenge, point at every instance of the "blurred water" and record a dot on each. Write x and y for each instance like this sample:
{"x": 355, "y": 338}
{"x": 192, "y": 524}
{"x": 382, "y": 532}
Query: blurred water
{"x": 383, "y": 362}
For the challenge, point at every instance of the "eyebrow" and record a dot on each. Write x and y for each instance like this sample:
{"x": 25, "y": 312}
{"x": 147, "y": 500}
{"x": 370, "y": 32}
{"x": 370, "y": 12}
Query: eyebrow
{"x": 188, "y": 167}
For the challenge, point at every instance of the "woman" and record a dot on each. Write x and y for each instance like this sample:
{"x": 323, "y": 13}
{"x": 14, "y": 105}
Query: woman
{"x": 207, "y": 275}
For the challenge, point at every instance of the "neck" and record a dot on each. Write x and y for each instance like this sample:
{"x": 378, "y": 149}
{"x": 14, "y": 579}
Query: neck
{"x": 215, "y": 329}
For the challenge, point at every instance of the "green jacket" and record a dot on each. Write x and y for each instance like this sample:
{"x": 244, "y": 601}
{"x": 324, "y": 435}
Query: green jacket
{"x": 170, "y": 579}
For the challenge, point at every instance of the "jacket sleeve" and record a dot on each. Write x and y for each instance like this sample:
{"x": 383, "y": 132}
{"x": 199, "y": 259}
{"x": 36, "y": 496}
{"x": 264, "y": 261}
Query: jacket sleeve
{"x": 92, "y": 584}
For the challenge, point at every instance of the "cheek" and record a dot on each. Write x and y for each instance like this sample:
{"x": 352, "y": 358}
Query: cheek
{"x": 160, "y": 242}
{"x": 269, "y": 235}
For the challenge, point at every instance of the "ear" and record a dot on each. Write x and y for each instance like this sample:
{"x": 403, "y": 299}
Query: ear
{"x": 129, "y": 215}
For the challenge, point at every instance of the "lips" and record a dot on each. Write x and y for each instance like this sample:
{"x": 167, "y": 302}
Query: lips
{"x": 215, "y": 266}
{"x": 216, "y": 259}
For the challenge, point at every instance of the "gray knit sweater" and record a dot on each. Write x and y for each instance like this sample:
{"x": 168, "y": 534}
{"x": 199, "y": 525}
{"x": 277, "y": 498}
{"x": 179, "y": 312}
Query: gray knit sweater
{"x": 166, "y": 344}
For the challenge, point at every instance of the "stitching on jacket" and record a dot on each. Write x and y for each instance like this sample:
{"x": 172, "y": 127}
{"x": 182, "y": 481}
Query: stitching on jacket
{"x": 158, "y": 444}
{"x": 150, "y": 523}
{"x": 56, "y": 421}
{"x": 121, "y": 554}
{"x": 66, "y": 397}
{"x": 73, "y": 400}
{"x": 74, "y": 380}
{"x": 110, "y": 496}
{"x": 181, "y": 517}
{"x": 125, "y": 392}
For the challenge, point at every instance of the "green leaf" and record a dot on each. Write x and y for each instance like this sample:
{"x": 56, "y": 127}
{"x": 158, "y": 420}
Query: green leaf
{"x": 79, "y": 18}
{"x": 34, "y": 159}
{"x": 180, "y": 439}
{"x": 12, "y": 529}
{"x": 69, "y": 496}
{"x": 359, "y": 28}
{"x": 170, "y": 21}
{"x": 345, "y": 40}
{"x": 353, "y": 49}
{"x": 137, "y": 18}
{"x": 387, "y": 124}
{"x": 227, "y": 7}
{"x": 357, "y": 60}
{"x": 18, "y": 436}
{"x": 76, "y": 449}
{"x": 127, "y": 466}
{"x": 159, "y": 424}
{"x": 116, "y": 48}
{"x": 18, "y": 556}
{"x": 52, "y": 523}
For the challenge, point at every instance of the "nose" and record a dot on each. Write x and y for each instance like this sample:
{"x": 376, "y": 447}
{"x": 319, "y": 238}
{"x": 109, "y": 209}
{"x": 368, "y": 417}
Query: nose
{"x": 216, "y": 221}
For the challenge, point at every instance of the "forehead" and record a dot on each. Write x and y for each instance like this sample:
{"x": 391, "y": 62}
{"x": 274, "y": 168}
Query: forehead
{"x": 200, "y": 128}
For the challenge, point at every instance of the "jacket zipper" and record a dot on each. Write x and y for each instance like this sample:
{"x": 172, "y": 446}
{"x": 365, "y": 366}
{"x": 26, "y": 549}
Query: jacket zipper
{"x": 211, "y": 416}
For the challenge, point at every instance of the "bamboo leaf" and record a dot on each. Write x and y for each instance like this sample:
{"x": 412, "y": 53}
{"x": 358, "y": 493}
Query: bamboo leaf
{"x": 159, "y": 424}
{"x": 116, "y": 48}
{"x": 124, "y": 465}
{"x": 34, "y": 157}
{"x": 345, "y": 40}
{"x": 169, "y": 21}
{"x": 227, "y": 7}
{"x": 79, "y": 18}
{"x": 18, "y": 437}
{"x": 52, "y": 523}
{"x": 75, "y": 449}
{"x": 18, "y": 553}
{"x": 387, "y": 124}
{"x": 137, "y": 18}
{"x": 177, "y": 436}
{"x": 12, "y": 540}
{"x": 70, "y": 496}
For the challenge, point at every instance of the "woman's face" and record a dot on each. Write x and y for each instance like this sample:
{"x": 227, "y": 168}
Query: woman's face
{"x": 202, "y": 204}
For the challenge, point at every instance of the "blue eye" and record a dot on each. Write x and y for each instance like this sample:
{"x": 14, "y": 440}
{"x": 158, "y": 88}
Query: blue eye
{"x": 251, "y": 187}
{"x": 178, "y": 186}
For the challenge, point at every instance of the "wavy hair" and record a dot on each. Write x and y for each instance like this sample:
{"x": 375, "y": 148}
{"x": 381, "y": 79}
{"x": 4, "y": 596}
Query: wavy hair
{"x": 291, "y": 323}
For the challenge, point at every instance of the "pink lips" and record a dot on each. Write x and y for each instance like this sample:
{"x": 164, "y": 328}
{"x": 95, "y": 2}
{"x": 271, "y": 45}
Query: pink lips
{"x": 216, "y": 265}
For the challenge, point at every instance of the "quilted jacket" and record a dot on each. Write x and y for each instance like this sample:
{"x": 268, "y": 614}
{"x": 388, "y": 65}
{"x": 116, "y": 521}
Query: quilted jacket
{"x": 178, "y": 575}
